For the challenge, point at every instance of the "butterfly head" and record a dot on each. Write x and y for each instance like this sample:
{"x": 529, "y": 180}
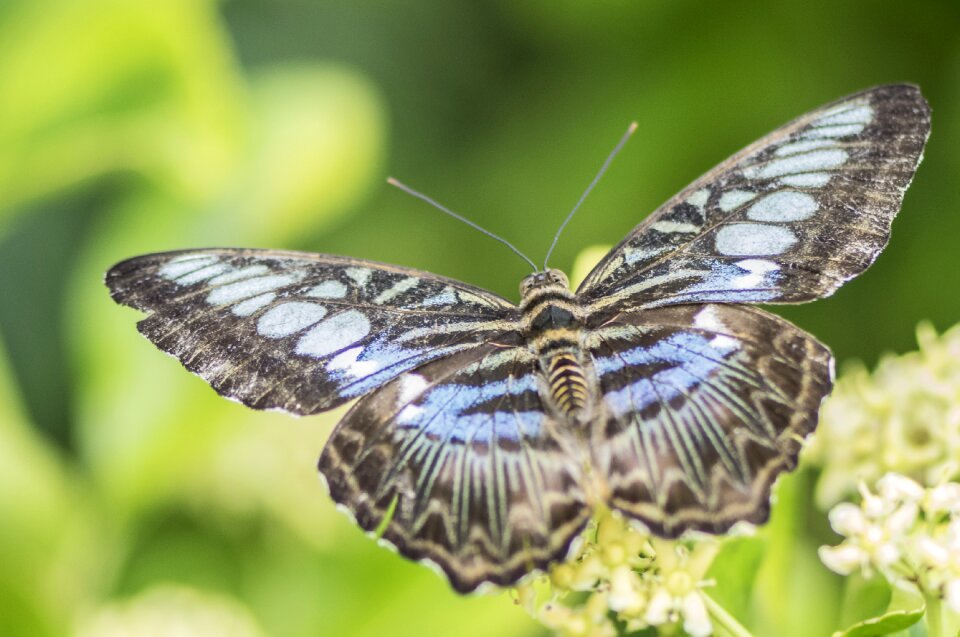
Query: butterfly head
{"x": 547, "y": 280}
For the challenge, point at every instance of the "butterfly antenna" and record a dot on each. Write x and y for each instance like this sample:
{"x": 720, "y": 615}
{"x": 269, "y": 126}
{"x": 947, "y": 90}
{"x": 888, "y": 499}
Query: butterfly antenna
{"x": 606, "y": 164}
{"x": 410, "y": 191}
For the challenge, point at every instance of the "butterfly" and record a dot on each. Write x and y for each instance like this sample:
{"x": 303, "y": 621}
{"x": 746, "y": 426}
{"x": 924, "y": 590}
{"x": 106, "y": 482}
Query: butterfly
{"x": 486, "y": 433}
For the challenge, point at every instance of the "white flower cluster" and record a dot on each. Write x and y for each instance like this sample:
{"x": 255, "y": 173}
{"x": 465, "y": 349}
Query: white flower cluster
{"x": 904, "y": 417}
{"x": 908, "y": 533}
{"x": 621, "y": 574}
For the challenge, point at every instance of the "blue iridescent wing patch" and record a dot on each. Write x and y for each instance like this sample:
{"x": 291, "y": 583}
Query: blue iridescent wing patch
{"x": 465, "y": 460}
{"x": 704, "y": 406}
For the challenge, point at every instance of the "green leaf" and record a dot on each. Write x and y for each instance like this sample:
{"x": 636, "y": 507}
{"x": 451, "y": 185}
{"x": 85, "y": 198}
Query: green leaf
{"x": 864, "y": 598}
{"x": 735, "y": 569}
{"x": 790, "y": 571}
{"x": 896, "y": 618}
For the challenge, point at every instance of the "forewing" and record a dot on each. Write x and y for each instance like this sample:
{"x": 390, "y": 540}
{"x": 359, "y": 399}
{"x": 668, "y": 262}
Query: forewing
{"x": 787, "y": 220}
{"x": 705, "y": 406}
{"x": 463, "y": 466}
{"x": 302, "y": 332}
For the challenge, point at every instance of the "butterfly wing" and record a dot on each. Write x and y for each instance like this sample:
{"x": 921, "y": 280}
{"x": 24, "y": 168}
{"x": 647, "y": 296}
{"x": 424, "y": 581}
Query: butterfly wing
{"x": 705, "y": 406}
{"x": 297, "y": 331}
{"x": 789, "y": 219}
{"x": 461, "y": 462}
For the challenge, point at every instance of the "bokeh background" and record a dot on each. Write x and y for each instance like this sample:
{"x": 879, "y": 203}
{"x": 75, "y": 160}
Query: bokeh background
{"x": 134, "y": 501}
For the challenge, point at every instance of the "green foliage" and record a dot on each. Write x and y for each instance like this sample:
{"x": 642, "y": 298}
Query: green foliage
{"x": 736, "y": 566}
{"x": 904, "y": 612}
{"x": 130, "y": 494}
{"x": 864, "y": 599}
{"x": 887, "y": 624}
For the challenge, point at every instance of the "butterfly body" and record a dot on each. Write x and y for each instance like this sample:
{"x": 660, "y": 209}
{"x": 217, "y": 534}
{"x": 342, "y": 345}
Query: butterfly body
{"x": 553, "y": 328}
{"x": 485, "y": 433}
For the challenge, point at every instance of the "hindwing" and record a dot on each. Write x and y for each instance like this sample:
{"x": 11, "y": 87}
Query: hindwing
{"x": 462, "y": 462}
{"x": 789, "y": 219}
{"x": 704, "y": 406}
{"x": 297, "y": 331}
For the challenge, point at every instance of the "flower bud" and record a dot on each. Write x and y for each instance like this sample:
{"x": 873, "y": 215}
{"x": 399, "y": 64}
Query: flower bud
{"x": 847, "y": 519}
{"x": 894, "y": 487}
{"x": 843, "y": 559}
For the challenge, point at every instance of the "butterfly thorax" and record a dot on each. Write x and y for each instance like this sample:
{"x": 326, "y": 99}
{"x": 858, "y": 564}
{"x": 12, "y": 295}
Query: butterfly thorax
{"x": 552, "y": 320}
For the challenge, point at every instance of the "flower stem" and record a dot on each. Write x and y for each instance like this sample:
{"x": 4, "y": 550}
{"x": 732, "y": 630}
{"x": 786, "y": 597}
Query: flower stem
{"x": 723, "y": 622}
{"x": 934, "y": 616}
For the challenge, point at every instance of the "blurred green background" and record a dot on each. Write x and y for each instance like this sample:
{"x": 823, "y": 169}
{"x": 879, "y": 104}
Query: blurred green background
{"x": 131, "y": 496}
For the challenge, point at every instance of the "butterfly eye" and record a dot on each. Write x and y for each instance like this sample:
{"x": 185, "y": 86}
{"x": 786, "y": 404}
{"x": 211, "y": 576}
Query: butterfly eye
{"x": 530, "y": 282}
{"x": 559, "y": 278}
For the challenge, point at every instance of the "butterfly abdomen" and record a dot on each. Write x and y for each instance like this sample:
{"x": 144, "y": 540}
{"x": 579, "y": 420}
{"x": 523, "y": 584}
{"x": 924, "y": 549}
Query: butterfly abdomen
{"x": 567, "y": 382}
{"x": 553, "y": 326}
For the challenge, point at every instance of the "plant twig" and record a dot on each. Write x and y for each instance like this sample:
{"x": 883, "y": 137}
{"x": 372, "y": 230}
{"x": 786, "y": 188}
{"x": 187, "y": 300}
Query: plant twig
{"x": 723, "y": 622}
{"x": 934, "y": 615}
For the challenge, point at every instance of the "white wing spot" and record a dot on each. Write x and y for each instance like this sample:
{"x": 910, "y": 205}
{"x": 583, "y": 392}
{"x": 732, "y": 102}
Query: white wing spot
{"x": 409, "y": 414}
{"x": 818, "y": 160}
{"x": 446, "y": 297}
{"x": 757, "y": 265}
{"x": 183, "y": 264}
{"x": 756, "y": 269}
{"x": 803, "y": 146}
{"x": 699, "y": 198}
{"x": 248, "y": 307}
{"x": 333, "y": 334}
{"x": 203, "y": 274}
{"x": 724, "y": 343}
{"x": 360, "y": 276}
{"x": 328, "y": 290}
{"x": 743, "y": 239}
{"x": 411, "y": 386}
{"x": 346, "y": 361}
{"x": 734, "y": 199}
{"x": 632, "y": 255}
{"x": 289, "y": 318}
{"x": 847, "y": 115}
{"x": 784, "y": 206}
{"x": 239, "y": 275}
{"x": 843, "y": 130}
{"x": 806, "y": 180}
{"x": 396, "y": 289}
{"x": 240, "y": 290}
{"x": 707, "y": 319}
{"x": 674, "y": 226}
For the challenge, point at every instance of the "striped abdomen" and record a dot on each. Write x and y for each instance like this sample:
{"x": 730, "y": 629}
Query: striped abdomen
{"x": 567, "y": 382}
